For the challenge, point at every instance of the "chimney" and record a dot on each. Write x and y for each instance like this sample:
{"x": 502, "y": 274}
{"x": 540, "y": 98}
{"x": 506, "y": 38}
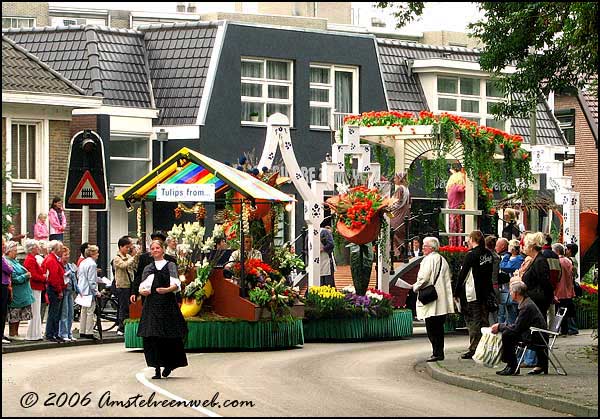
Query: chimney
{"x": 180, "y": 7}
{"x": 191, "y": 7}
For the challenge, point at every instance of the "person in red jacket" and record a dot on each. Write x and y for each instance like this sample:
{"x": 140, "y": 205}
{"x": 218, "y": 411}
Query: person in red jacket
{"x": 38, "y": 284}
{"x": 54, "y": 288}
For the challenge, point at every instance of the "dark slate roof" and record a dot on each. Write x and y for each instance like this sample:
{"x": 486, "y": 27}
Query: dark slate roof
{"x": 589, "y": 105}
{"x": 591, "y": 101}
{"x": 547, "y": 129}
{"x": 24, "y": 72}
{"x": 405, "y": 93}
{"x": 179, "y": 56}
{"x": 103, "y": 61}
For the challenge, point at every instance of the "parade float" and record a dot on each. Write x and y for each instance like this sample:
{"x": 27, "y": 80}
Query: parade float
{"x": 256, "y": 308}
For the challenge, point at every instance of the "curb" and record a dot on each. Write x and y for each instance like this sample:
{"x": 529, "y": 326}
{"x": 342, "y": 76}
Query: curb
{"x": 438, "y": 373}
{"x": 26, "y": 347}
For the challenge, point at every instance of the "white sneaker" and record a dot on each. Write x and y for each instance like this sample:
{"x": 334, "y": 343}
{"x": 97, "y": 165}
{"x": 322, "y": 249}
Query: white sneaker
{"x": 66, "y": 339}
{"x": 73, "y": 339}
{"x": 5, "y": 341}
{"x": 119, "y": 333}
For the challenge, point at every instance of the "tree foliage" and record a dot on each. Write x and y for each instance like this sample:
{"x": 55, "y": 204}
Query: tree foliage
{"x": 552, "y": 45}
{"x": 404, "y": 12}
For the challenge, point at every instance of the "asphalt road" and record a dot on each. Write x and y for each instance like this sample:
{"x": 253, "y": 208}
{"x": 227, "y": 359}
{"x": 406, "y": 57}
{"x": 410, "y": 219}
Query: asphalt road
{"x": 342, "y": 379}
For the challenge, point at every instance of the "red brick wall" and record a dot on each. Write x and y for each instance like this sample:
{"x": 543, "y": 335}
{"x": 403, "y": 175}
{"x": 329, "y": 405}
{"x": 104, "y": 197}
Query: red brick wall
{"x": 585, "y": 171}
{"x": 79, "y": 123}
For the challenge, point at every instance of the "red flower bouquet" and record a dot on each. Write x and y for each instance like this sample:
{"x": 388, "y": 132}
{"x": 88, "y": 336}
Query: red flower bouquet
{"x": 359, "y": 213}
{"x": 256, "y": 271}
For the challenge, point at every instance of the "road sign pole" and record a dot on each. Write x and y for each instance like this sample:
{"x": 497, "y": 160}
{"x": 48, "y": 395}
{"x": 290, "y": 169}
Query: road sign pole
{"x": 85, "y": 223}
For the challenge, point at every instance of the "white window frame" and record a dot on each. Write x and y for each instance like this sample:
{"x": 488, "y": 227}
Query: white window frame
{"x": 265, "y": 82}
{"x": 15, "y": 19}
{"x": 331, "y": 87}
{"x": 117, "y": 158}
{"x": 25, "y": 227}
{"x": 482, "y": 98}
{"x": 26, "y": 182}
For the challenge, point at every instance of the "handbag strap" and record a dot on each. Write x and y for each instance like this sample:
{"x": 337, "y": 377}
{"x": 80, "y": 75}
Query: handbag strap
{"x": 439, "y": 271}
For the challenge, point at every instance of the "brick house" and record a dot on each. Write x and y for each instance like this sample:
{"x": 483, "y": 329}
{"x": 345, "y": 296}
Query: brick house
{"x": 578, "y": 114}
{"x": 37, "y": 103}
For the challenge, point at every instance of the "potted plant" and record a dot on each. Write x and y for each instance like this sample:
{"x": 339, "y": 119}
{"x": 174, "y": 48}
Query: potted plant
{"x": 359, "y": 213}
{"x": 254, "y": 116}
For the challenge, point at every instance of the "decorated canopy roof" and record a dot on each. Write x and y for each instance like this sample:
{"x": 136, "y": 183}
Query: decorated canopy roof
{"x": 188, "y": 166}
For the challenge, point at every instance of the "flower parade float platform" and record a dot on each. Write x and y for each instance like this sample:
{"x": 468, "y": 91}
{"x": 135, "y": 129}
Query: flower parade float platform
{"x": 236, "y": 323}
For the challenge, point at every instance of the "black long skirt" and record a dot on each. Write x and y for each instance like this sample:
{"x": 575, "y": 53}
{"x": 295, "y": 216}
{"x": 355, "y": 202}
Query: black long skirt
{"x": 164, "y": 352}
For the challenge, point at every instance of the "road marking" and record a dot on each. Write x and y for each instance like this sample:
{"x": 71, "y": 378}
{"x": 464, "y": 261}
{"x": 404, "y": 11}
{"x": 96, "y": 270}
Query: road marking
{"x": 141, "y": 377}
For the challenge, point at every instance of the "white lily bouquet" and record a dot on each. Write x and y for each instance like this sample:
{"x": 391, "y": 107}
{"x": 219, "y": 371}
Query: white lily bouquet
{"x": 192, "y": 244}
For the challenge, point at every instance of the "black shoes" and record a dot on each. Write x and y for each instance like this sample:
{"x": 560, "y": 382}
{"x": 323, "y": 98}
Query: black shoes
{"x": 94, "y": 338}
{"x": 166, "y": 372}
{"x": 467, "y": 355}
{"x": 508, "y": 371}
{"x": 538, "y": 371}
{"x": 435, "y": 358}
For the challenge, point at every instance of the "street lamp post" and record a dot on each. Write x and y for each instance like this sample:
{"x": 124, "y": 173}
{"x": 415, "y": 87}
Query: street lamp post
{"x": 162, "y": 136}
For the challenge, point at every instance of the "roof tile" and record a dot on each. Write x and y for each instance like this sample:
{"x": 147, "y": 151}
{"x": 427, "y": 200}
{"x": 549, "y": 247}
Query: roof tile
{"x": 405, "y": 93}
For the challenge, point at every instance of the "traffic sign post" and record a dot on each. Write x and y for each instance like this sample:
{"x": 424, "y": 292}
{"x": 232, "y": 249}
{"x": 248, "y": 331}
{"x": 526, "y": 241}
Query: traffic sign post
{"x": 85, "y": 189}
{"x": 86, "y": 179}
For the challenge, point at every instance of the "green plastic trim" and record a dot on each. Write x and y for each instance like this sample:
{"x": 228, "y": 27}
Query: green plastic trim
{"x": 231, "y": 334}
{"x": 399, "y": 324}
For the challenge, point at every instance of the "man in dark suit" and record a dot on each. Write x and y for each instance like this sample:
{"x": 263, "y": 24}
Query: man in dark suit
{"x": 145, "y": 260}
{"x": 529, "y": 315}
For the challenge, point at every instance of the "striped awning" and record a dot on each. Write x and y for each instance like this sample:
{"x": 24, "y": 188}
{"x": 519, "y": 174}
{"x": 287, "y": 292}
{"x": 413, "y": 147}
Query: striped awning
{"x": 188, "y": 166}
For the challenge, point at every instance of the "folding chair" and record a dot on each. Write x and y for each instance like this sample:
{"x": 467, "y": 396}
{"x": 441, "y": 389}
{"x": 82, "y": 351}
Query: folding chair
{"x": 553, "y": 331}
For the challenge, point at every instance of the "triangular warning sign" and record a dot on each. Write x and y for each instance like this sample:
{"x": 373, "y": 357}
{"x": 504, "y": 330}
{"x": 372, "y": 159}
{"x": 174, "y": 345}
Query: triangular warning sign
{"x": 87, "y": 192}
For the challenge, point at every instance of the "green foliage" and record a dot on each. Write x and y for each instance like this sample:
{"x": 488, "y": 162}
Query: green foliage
{"x": 361, "y": 263}
{"x": 404, "y": 12}
{"x": 259, "y": 296}
{"x": 564, "y": 36}
{"x": 285, "y": 261}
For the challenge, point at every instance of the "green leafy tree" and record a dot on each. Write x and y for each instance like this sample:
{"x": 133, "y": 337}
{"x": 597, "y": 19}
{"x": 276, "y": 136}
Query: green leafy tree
{"x": 552, "y": 45}
{"x": 404, "y": 12}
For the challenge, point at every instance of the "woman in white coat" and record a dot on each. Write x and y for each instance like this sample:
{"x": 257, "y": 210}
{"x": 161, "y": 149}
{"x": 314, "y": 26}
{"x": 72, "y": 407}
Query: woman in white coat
{"x": 435, "y": 312}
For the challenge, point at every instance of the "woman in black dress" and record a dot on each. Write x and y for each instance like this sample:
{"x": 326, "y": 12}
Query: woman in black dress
{"x": 162, "y": 325}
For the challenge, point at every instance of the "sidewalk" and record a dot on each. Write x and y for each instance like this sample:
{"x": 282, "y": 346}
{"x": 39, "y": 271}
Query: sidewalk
{"x": 24, "y": 345}
{"x": 575, "y": 394}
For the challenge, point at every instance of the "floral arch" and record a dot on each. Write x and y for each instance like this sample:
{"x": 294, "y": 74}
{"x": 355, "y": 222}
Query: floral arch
{"x": 489, "y": 155}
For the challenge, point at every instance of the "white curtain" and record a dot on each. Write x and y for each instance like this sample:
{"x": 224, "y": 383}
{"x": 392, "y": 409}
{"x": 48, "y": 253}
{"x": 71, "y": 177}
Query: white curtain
{"x": 343, "y": 92}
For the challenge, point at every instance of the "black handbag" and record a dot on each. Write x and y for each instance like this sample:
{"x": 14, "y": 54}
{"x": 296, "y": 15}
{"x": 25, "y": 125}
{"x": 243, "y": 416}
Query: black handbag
{"x": 428, "y": 294}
